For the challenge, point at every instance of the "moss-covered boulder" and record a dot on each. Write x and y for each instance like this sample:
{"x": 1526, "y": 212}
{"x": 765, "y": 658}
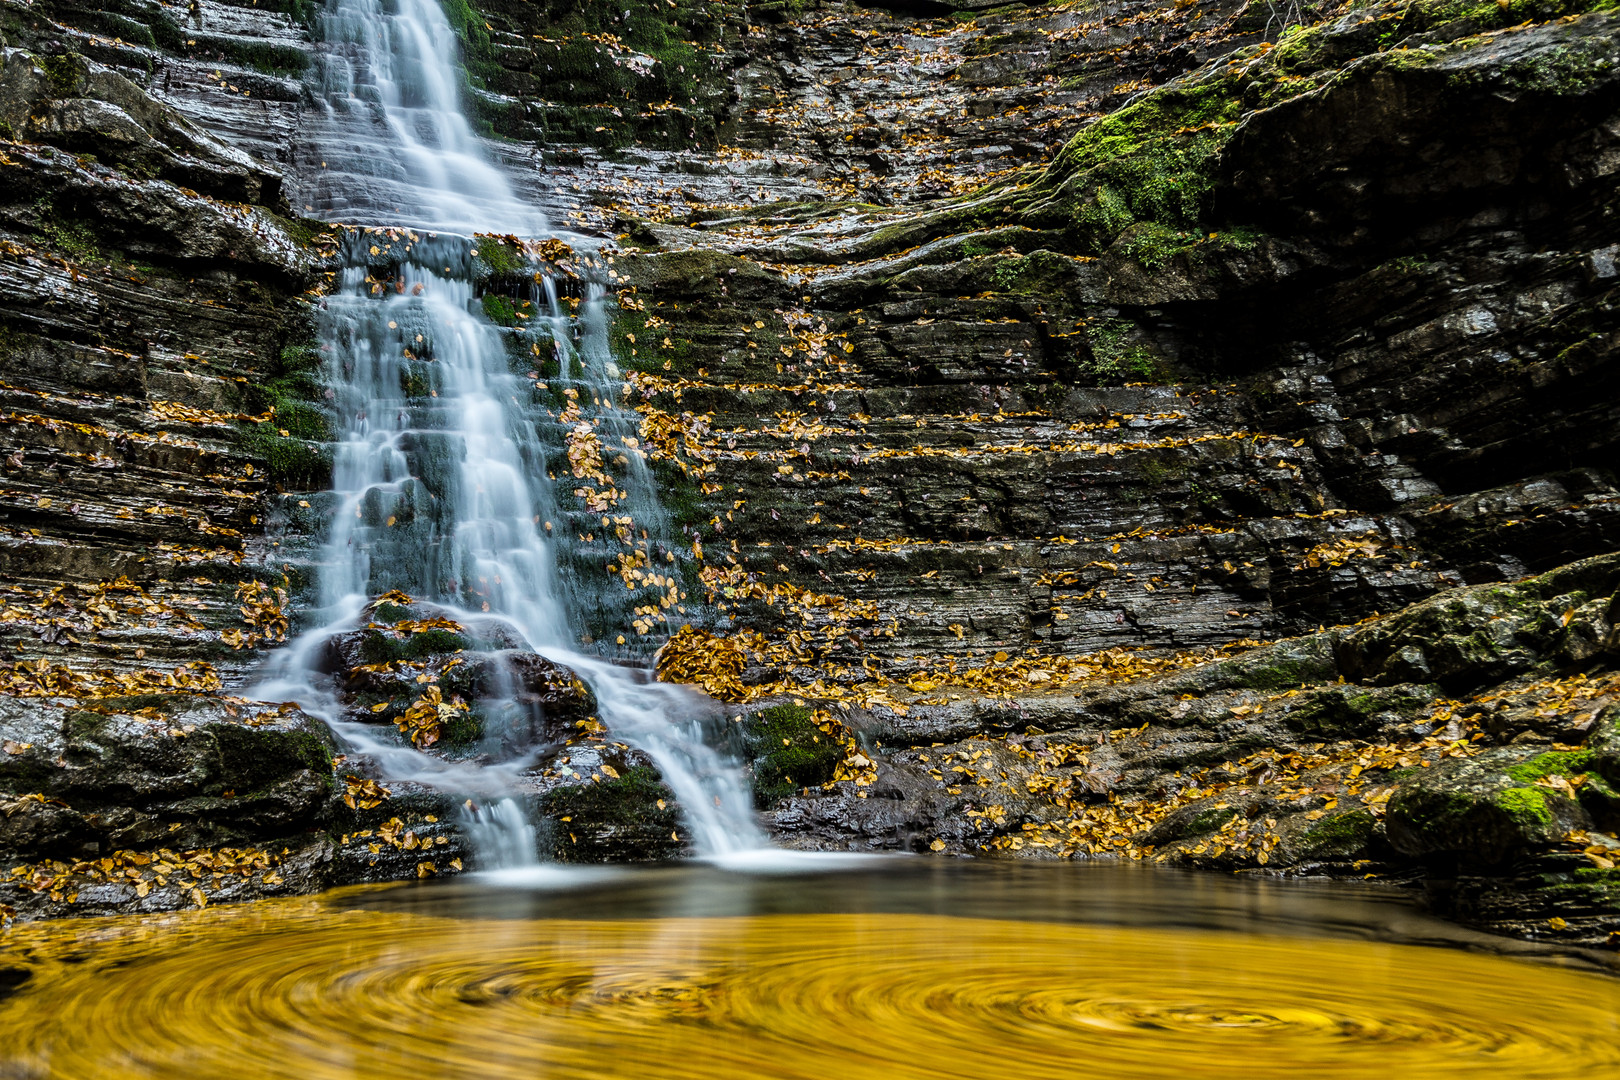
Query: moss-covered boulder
{"x": 1337, "y": 838}
{"x": 1466, "y": 637}
{"x": 630, "y": 817}
{"x": 1487, "y": 810}
{"x": 177, "y": 769}
{"x": 435, "y": 678}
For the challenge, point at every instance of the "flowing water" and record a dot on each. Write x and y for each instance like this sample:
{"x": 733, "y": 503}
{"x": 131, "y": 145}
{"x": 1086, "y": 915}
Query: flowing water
{"x": 441, "y": 485}
{"x": 893, "y": 970}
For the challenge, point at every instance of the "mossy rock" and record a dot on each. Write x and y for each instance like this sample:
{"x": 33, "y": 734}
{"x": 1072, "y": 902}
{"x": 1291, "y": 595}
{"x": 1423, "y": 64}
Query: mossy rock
{"x": 379, "y": 646}
{"x": 787, "y": 752}
{"x": 1338, "y": 838}
{"x": 1483, "y": 811}
{"x": 1189, "y": 823}
{"x": 1349, "y": 711}
{"x": 615, "y": 820}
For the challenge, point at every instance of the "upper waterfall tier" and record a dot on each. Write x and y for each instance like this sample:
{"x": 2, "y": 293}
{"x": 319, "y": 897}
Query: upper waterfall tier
{"x": 389, "y": 143}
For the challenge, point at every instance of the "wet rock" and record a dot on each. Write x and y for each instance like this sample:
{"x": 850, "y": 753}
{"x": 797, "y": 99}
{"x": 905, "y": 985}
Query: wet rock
{"x": 628, "y": 817}
{"x": 383, "y": 670}
{"x": 786, "y": 751}
{"x": 84, "y": 108}
{"x": 190, "y": 775}
{"x": 1487, "y": 810}
{"x": 1491, "y": 632}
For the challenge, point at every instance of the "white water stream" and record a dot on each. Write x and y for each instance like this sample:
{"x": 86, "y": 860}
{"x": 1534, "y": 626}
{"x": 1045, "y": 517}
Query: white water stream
{"x": 440, "y": 479}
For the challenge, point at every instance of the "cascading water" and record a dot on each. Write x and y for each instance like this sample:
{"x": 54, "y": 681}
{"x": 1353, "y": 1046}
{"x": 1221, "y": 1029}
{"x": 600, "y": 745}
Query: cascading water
{"x": 440, "y": 476}
{"x": 391, "y": 143}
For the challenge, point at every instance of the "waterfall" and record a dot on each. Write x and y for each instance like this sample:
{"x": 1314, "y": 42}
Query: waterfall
{"x": 440, "y": 481}
{"x": 390, "y": 143}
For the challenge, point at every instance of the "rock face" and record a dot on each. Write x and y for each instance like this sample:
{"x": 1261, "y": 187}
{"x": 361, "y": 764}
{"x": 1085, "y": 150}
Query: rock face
{"x": 1058, "y": 404}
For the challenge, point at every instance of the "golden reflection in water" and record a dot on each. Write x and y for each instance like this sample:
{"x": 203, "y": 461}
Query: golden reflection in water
{"x": 299, "y": 990}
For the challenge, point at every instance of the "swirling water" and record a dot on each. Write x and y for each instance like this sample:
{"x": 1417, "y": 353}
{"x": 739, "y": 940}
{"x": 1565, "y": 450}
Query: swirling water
{"x": 894, "y": 970}
{"x": 440, "y": 485}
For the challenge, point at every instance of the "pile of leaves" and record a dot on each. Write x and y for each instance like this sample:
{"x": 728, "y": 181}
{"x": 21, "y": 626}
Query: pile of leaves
{"x": 196, "y": 872}
{"x": 264, "y": 609}
{"x": 40, "y": 678}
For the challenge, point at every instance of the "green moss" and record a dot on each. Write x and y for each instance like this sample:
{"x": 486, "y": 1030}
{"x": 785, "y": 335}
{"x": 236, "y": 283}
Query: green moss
{"x": 300, "y": 230}
{"x": 296, "y": 392}
{"x": 1117, "y": 356}
{"x": 1283, "y": 673}
{"x": 1341, "y": 712}
{"x": 66, "y": 72}
{"x": 681, "y": 498}
{"x": 291, "y": 462}
{"x": 1527, "y": 807}
{"x": 788, "y": 752}
{"x": 380, "y": 647}
{"x": 627, "y": 805}
{"x": 268, "y": 57}
{"x": 1153, "y": 244}
{"x": 252, "y": 758}
{"x": 500, "y": 258}
{"x": 464, "y": 728}
{"x": 499, "y": 309}
{"x": 1152, "y": 161}
{"x": 389, "y": 613}
{"x": 67, "y": 233}
{"x": 1565, "y": 763}
{"x": 659, "y": 83}
{"x": 1341, "y": 836}
{"x": 1207, "y": 821}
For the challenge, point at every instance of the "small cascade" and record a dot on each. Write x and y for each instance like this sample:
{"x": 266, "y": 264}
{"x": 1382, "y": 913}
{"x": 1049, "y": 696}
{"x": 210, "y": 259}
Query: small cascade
{"x": 454, "y": 415}
{"x": 500, "y": 833}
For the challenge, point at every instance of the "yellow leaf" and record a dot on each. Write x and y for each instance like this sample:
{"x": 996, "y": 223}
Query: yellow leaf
{"x": 937, "y": 845}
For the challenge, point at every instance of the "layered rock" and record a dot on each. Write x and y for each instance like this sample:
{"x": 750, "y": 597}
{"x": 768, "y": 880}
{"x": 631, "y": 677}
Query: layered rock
{"x": 1295, "y": 340}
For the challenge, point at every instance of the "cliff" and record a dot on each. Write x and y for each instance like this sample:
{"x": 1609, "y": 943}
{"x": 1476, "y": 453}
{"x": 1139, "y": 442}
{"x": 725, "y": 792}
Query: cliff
{"x": 1173, "y": 432}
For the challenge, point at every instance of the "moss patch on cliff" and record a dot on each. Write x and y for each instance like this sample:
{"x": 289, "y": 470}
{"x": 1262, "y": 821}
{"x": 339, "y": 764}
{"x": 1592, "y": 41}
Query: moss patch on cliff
{"x": 1149, "y": 163}
{"x": 788, "y": 752}
{"x": 295, "y": 443}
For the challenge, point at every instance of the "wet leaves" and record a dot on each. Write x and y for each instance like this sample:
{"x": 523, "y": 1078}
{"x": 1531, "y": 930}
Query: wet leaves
{"x": 265, "y": 610}
{"x": 426, "y": 718}
{"x": 194, "y": 873}
{"x": 40, "y": 678}
{"x": 363, "y": 794}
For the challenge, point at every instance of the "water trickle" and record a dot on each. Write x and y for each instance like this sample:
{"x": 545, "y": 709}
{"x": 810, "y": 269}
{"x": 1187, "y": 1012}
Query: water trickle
{"x": 440, "y": 482}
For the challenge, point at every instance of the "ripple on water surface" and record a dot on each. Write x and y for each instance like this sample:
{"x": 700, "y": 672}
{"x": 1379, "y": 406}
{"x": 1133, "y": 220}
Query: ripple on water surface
{"x": 316, "y": 988}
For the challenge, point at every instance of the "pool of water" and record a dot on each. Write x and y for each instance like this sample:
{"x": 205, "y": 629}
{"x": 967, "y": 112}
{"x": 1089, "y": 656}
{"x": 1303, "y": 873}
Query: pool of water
{"x": 789, "y": 967}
